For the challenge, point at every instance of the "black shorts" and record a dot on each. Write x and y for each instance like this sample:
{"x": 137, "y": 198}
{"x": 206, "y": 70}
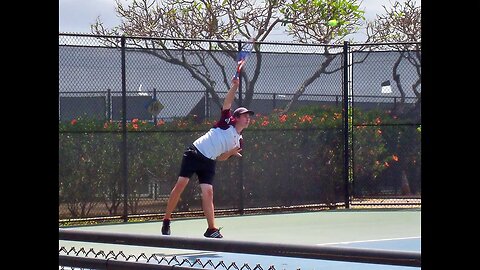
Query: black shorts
{"x": 195, "y": 162}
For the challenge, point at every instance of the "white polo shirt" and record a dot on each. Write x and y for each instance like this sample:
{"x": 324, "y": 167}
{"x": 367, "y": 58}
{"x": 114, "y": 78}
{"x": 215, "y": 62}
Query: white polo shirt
{"x": 221, "y": 138}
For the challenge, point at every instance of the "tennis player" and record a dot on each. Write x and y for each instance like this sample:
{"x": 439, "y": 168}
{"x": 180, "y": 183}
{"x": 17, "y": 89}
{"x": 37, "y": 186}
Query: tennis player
{"x": 221, "y": 142}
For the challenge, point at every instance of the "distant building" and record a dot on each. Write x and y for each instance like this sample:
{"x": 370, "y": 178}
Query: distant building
{"x": 90, "y": 83}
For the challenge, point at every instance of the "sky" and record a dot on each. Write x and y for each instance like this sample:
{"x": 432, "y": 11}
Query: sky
{"x": 76, "y": 16}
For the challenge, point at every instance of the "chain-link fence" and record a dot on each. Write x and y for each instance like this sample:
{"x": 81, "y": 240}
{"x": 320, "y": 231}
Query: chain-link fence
{"x": 386, "y": 120}
{"x": 129, "y": 106}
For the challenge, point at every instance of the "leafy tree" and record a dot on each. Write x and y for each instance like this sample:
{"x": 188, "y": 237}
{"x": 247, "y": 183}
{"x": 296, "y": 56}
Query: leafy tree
{"x": 308, "y": 21}
{"x": 400, "y": 27}
{"x": 227, "y": 20}
{"x": 196, "y": 19}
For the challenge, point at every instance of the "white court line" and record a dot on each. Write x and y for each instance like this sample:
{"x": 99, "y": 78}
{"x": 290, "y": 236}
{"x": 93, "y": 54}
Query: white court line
{"x": 364, "y": 241}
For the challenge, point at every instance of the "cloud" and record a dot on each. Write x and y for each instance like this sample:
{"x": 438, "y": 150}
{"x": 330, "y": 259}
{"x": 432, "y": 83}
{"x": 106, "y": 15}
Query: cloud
{"x": 76, "y": 16}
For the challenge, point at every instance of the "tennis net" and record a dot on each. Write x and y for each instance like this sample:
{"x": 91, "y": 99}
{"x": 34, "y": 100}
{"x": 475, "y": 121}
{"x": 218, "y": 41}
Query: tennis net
{"x": 92, "y": 259}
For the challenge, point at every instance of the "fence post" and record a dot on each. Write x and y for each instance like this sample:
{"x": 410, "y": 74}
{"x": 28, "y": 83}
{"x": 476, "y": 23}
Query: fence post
{"x": 241, "y": 206}
{"x": 346, "y": 158}
{"x": 124, "y": 136}
{"x": 155, "y": 98}
{"x": 109, "y": 104}
{"x": 240, "y": 98}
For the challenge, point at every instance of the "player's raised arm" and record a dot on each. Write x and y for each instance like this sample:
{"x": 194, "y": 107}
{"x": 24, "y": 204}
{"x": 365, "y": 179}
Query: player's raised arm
{"x": 227, "y": 103}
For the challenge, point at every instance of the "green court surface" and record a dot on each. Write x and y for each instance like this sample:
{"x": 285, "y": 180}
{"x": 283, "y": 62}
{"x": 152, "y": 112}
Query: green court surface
{"x": 335, "y": 227}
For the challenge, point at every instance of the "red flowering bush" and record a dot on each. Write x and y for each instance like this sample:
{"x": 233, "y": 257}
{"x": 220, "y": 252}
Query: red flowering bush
{"x": 288, "y": 159}
{"x": 386, "y": 153}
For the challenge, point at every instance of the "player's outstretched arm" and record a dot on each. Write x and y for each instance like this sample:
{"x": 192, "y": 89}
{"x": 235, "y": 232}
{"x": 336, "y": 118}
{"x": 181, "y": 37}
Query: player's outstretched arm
{"x": 227, "y": 103}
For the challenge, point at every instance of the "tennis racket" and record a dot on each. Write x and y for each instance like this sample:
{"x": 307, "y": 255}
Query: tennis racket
{"x": 243, "y": 55}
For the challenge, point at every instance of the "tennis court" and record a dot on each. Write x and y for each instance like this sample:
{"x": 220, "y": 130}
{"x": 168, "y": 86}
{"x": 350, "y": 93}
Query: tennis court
{"x": 384, "y": 230}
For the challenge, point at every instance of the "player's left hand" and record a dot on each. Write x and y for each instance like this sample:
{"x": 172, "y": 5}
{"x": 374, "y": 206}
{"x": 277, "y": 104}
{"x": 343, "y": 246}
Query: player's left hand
{"x": 236, "y": 151}
{"x": 235, "y": 81}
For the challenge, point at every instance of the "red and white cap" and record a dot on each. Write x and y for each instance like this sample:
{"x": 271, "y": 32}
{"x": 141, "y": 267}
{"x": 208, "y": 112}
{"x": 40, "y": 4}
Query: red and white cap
{"x": 242, "y": 110}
